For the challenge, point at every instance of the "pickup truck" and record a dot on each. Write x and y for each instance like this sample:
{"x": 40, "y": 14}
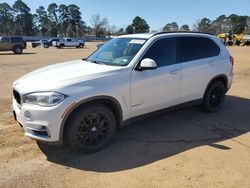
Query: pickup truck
{"x": 68, "y": 42}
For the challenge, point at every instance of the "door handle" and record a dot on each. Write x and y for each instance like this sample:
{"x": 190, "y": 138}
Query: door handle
{"x": 211, "y": 63}
{"x": 174, "y": 71}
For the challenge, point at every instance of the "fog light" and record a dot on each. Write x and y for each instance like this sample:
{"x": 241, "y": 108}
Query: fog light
{"x": 28, "y": 115}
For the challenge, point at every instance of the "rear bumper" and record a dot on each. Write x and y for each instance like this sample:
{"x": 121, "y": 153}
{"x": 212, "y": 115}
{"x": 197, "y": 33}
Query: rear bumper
{"x": 230, "y": 79}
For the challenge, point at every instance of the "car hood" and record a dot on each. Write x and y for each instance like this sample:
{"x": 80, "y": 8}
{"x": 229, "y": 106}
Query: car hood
{"x": 59, "y": 75}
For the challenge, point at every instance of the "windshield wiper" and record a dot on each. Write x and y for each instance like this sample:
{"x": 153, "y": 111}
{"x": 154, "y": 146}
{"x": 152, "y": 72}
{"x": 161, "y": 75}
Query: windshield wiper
{"x": 97, "y": 62}
{"x": 93, "y": 61}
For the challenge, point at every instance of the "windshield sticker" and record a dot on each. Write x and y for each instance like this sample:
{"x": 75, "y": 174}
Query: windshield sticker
{"x": 137, "y": 41}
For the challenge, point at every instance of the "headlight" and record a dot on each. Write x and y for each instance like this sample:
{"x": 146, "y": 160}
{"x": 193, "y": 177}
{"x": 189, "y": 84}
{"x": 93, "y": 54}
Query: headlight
{"x": 44, "y": 98}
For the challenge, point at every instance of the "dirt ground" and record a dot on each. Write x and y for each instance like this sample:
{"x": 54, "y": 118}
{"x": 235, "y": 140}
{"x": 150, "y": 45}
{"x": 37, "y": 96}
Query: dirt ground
{"x": 183, "y": 148}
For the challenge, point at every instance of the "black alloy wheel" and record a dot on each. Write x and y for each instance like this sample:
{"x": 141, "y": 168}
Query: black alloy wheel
{"x": 214, "y": 97}
{"x": 91, "y": 128}
{"x": 217, "y": 95}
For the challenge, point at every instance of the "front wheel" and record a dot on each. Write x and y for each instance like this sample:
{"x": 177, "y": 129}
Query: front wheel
{"x": 91, "y": 128}
{"x": 214, "y": 97}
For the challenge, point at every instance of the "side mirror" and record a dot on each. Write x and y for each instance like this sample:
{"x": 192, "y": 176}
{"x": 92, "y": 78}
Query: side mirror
{"x": 147, "y": 64}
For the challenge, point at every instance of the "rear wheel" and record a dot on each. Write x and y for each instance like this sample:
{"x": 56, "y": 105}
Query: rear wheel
{"x": 61, "y": 46}
{"x": 214, "y": 97}
{"x": 18, "y": 50}
{"x": 81, "y": 45}
{"x": 91, "y": 128}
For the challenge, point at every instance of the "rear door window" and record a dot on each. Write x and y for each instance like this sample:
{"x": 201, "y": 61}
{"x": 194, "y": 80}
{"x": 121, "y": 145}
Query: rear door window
{"x": 16, "y": 39}
{"x": 194, "y": 48}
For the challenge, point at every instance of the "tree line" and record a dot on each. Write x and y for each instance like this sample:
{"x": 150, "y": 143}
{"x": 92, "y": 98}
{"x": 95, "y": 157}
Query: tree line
{"x": 56, "y": 20}
{"x": 66, "y": 21}
{"x": 223, "y": 24}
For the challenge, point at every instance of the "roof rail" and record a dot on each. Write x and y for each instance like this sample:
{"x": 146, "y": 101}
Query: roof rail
{"x": 166, "y": 32}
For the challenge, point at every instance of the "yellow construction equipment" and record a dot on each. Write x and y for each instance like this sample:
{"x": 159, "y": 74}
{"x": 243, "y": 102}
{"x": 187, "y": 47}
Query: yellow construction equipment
{"x": 231, "y": 39}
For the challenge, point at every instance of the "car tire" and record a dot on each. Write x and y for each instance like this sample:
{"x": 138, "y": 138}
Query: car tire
{"x": 18, "y": 50}
{"x": 61, "y": 46}
{"x": 91, "y": 128}
{"x": 214, "y": 97}
{"x": 46, "y": 46}
{"x": 81, "y": 45}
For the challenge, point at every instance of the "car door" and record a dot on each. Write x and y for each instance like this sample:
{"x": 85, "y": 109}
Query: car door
{"x": 160, "y": 88}
{"x": 68, "y": 43}
{"x": 73, "y": 43}
{"x": 198, "y": 64}
{"x": 76, "y": 43}
{"x": 5, "y": 44}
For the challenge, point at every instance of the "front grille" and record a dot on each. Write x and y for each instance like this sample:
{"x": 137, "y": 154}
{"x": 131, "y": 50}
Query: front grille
{"x": 17, "y": 96}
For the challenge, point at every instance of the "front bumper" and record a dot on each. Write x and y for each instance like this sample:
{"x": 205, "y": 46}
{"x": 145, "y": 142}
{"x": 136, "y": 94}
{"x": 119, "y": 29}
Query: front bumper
{"x": 42, "y": 123}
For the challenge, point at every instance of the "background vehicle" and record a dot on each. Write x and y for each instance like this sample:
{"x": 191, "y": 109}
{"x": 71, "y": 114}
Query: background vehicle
{"x": 132, "y": 75}
{"x": 246, "y": 40}
{"x": 48, "y": 43}
{"x": 68, "y": 42}
{"x": 231, "y": 39}
{"x": 15, "y": 44}
{"x": 38, "y": 43}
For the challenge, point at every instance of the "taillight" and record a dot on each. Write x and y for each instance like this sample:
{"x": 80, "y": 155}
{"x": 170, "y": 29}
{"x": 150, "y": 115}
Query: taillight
{"x": 232, "y": 60}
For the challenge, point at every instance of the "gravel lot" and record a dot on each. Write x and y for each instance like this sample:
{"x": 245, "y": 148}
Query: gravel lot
{"x": 182, "y": 148}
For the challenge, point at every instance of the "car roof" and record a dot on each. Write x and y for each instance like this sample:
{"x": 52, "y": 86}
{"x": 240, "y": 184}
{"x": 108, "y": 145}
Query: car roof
{"x": 141, "y": 35}
{"x": 149, "y": 35}
{"x": 12, "y": 36}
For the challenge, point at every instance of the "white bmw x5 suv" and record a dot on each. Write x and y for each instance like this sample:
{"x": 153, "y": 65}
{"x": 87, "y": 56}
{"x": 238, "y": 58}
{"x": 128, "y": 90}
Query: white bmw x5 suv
{"x": 82, "y": 102}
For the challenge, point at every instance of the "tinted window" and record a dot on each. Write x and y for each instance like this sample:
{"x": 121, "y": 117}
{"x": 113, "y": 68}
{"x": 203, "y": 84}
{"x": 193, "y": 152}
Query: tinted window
{"x": 213, "y": 48}
{"x": 163, "y": 52}
{"x": 5, "y": 39}
{"x": 51, "y": 40}
{"x": 194, "y": 48}
{"x": 16, "y": 39}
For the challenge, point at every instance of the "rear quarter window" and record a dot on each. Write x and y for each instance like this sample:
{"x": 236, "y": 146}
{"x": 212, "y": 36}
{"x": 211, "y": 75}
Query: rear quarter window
{"x": 194, "y": 48}
{"x": 212, "y": 46}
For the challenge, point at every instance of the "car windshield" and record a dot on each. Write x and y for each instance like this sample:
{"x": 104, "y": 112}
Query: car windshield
{"x": 117, "y": 52}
